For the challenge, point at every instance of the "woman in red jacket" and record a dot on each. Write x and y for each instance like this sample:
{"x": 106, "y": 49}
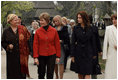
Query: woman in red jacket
{"x": 46, "y": 47}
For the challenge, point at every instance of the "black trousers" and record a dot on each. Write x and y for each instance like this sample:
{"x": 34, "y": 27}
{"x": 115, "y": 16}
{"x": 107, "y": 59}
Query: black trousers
{"x": 48, "y": 61}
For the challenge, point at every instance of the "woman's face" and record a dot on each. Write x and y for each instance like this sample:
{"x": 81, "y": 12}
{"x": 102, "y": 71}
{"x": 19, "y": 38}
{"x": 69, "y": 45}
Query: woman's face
{"x": 64, "y": 21}
{"x": 114, "y": 21}
{"x": 79, "y": 18}
{"x": 43, "y": 22}
{"x": 56, "y": 22}
{"x": 15, "y": 21}
{"x": 35, "y": 26}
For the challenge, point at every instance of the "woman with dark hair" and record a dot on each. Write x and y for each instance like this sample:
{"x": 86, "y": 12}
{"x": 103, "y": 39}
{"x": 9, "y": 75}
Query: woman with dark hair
{"x": 110, "y": 53}
{"x": 20, "y": 21}
{"x": 82, "y": 47}
{"x": 98, "y": 47}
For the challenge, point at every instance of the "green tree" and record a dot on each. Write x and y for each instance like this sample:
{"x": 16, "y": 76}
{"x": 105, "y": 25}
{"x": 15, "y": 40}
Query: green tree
{"x": 8, "y": 7}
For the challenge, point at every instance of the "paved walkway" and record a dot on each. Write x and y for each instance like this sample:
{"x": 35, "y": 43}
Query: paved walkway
{"x": 33, "y": 69}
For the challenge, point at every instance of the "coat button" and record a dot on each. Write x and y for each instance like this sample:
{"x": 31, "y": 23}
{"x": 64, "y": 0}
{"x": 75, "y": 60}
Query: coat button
{"x": 46, "y": 38}
{"x": 16, "y": 39}
{"x": 83, "y": 32}
{"x": 46, "y": 48}
{"x": 46, "y": 43}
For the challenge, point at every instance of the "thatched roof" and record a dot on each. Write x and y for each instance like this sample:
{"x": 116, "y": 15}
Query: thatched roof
{"x": 106, "y": 16}
{"x": 46, "y": 6}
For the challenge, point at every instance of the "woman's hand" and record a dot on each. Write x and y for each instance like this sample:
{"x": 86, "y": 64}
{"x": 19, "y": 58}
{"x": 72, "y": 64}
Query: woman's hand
{"x": 11, "y": 46}
{"x": 60, "y": 41}
{"x": 115, "y": 47}
{"x": 72, "y": 59}
{"x": 94, "y": 57}
{"x": 100, "y": 53}
{"x": 57, "y": 60}
{"x": 36, "y": 61}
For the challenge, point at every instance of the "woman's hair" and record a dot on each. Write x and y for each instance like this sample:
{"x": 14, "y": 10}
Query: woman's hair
{"x": 35, "y": 23}
{"x": 58, "y": 17}
{"x": 10, "y": 17}
{"x": 64, "y": 19}
{"x": 85, "y": 19}
{"x": 46, "y": 16}
{"x": 113, "y": 16}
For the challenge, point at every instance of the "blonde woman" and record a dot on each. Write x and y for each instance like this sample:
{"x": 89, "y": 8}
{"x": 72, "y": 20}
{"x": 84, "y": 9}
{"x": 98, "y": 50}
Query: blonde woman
{"x": 35, "y": 26}
{"x": 15, "y": 42}
{"x": 64, "y": 39}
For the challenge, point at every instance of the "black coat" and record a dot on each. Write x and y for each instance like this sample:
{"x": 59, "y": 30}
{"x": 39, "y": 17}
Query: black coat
{"x": 31, "y": 42}
{"x": 83, "y": 51}
{"x": 12, "y": 56}
{"x": 97, "y": 46}
{"x": 103, "y": 26}
{"x": 64, "y": 36}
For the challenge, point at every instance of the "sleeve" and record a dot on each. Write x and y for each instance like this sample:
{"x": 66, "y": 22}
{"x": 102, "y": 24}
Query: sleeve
{"x": 57, "y": 44}
{"x": 5, "y": 45}
{"x": 66, "y": 35}
{"x": 105, "y": 44}
{"x": 93, "y": 44}
{"x": 36, "y": 46}
{"x": 72, "y": 52}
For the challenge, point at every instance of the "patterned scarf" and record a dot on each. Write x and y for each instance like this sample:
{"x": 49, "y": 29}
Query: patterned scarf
{"x": 24, "y": 36}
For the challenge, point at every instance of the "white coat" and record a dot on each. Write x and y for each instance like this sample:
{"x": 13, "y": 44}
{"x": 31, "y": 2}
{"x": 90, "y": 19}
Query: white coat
{"x": 110, "y": 53}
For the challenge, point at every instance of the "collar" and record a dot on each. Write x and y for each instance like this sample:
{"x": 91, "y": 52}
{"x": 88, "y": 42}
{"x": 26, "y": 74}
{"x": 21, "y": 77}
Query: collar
{"x": 49, "y": 29}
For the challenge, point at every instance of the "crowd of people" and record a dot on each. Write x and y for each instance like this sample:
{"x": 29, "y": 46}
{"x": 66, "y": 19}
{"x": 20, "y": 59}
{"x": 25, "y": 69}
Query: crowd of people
{"x": 51, "y": 43}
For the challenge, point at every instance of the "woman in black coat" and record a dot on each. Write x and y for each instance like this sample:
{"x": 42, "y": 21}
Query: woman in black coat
{"x": 64, "y": 39}
{"x": 15, "y": 42}
{"x": 97, "y": 47}
{"x": 82, "y": 47}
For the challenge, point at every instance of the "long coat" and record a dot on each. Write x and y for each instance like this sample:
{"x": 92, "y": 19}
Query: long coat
{"x": 97, "y": 46}
{"x": 17, "y": 60}
{"x": 111, "y": 54}
{"x": 83, "y": 51}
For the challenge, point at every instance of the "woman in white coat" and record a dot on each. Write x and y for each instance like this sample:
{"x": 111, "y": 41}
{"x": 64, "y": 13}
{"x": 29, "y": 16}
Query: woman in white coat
{"x": 111, "y": 54}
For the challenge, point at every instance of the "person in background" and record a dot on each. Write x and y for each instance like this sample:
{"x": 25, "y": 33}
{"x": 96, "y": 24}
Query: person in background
{"x": 35, "y": 26}
{"x": 20, "y": 21}
{"x": 103, "y": 25}
{"x": 72, "y": 24}
{"x": 67, "y": 46}
{"x": 15, "y": 42}
{"x": 82, "y": 53}
{"x": 98, "y": 47}
{"x": 30, "y": 28}
{"x": 68, "y": 21}
{"x": 110, "y": 49}
{"x": 64, "y": 39}
{"x": 46, "y": 47}
{"x": 97, "y": 24}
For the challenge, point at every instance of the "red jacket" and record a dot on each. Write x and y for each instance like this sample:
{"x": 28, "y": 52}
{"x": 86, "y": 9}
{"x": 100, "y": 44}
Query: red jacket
{"x": 46, "y": 43}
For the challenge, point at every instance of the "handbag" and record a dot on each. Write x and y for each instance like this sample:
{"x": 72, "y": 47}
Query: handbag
{"x": 97, "y": 69}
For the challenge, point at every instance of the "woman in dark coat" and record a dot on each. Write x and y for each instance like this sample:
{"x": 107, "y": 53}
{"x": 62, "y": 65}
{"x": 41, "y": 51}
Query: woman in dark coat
{"x": 97, "y": 46}
{"x": 82, "y": 52}
{"x": 64, "y": 39}
{"x": 14, "y": 41}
